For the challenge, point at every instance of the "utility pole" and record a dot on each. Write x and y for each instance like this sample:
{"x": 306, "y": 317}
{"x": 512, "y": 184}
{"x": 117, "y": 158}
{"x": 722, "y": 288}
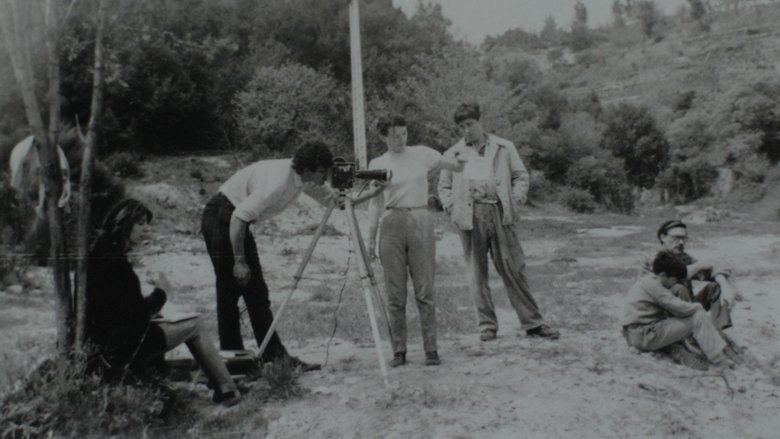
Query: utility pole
{"x": 358, "y": 110}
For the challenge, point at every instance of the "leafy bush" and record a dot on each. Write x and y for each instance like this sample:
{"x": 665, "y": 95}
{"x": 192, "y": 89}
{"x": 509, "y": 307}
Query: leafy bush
{"x": 755, "y": 108}
{"x": 690, "y": 173}
{"x": 684, "y": 101}
{"x": 550, "y": 105}
{"x": 541, "y": 189}
{"x": 689, "y": 179}
{"x": 283, "y": 378}
{"x": 283, "y": 107}
{"x": 632, "y": 135}
{"x": 125, "y": 165}
{"x": 604, "y": 179}
{"x": 521, "y": 73}
{"x": 649, "y": 17}
{"x": 578, "y": 200}
{"x": 553, "y": 155}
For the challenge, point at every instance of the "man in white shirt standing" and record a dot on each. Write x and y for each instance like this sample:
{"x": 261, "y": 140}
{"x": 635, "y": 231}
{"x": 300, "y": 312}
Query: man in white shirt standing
{"x": 257, "y": 193}
{"x": 407, "y": 240}
{"x": 483, "y": 202}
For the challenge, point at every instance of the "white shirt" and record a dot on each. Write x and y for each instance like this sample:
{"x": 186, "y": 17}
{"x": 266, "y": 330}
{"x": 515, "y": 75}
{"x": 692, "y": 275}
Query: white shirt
{"x": 265, "y": 188}
{"x": 408, "y": 186}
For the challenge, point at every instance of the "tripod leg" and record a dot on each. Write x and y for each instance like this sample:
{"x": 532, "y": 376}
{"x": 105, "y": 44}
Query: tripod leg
{"x": 367, "y": 278}
{"x": 296, "y": 279}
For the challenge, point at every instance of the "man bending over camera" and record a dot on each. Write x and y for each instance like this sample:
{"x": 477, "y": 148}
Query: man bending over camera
{"x": 257, "y": 193}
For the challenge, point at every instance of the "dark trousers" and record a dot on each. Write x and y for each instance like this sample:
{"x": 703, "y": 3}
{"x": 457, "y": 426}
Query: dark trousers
{"x": 215, "y": 226}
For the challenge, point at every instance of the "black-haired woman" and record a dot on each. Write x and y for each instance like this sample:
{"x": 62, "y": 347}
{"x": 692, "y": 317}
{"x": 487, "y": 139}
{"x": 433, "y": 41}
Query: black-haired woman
{"x": 119, "y": 318}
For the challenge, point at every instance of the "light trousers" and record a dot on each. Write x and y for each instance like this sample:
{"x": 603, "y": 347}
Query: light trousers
{"x": 407, "y": 248}
{"x": 655, "y": 336}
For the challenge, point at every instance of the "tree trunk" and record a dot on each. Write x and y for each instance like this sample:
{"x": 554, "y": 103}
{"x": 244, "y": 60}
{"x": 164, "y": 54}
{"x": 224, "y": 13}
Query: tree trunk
{"x": 11, "y": 21}
{"x": 87, "y": 163}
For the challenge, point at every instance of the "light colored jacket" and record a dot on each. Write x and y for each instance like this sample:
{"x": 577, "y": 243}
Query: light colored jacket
{"x": 649, "y": 301}
{"x": 512, "y": 183}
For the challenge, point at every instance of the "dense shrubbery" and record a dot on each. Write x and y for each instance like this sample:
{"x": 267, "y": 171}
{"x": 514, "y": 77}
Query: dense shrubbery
{"x": 125, "y": 165}
{"x": 633, "y": 135}
{"x": 275, "y": 113}
{"x": 691, "y": 172}
{"x": 267, "y": 75}
{"x": 578, "y": 200}
{"x": 604, "y": 179}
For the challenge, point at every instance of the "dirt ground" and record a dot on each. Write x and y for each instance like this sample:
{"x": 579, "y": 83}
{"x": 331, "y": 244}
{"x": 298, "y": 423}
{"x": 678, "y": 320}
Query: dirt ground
{"x": 588, "y": 384}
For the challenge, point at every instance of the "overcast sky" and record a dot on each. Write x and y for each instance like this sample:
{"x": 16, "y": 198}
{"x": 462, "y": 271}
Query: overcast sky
{"x": 472, "y": 20}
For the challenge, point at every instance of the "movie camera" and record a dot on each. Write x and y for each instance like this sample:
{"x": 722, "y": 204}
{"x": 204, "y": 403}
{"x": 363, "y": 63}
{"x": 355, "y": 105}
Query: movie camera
{"x": 343, "y": 174}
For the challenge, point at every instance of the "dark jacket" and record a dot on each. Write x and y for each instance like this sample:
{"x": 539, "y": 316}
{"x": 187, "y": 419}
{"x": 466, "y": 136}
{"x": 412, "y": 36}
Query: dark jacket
{"x": 118, "y": 315}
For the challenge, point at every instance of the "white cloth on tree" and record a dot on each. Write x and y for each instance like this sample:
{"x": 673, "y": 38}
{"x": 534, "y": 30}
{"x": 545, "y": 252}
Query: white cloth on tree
{"x": 26, "y": 168}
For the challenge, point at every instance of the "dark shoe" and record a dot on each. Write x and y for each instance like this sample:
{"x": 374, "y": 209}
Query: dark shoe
{"x": 432, "y": 358}
{"x": 680, "y": 355}
{"x": 544, "y": 331}
{"x": 399, "y": 359}
{"x": 487, "y": 335}
{"x": 295, "y": 363}
{"x": 227, "y": 399}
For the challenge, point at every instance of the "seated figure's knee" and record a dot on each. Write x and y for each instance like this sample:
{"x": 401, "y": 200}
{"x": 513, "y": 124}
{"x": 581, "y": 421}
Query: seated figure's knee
{"x": 700, "y": 315}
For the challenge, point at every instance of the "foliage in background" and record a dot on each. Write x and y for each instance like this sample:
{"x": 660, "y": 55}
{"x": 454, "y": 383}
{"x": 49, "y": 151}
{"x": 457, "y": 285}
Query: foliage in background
{"x": 183, "y": 76}
{"x": 633, "y": 135}
{"x": 434, "y": 88}
{"x": 691, "y": 172}
{"x": 275, "y": 113}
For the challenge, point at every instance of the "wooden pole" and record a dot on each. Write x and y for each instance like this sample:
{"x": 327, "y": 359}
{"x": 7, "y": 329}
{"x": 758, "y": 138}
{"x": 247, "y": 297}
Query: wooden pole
{"x": 87, "y": 163}
{"x": 358, "y": 111}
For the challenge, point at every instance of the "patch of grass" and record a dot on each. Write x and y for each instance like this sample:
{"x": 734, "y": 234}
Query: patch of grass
{"x": 348, "y": 364}
{"x": 282, "y": 378}
{"x": 306, "y": 320}
{"x": 61, "y": 399}
{"x": 322, "y": 293}
{"x": 455, "y": 309}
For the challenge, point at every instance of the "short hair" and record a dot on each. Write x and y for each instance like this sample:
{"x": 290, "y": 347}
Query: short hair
{"x": 384, "y": 124}
{"x": 669, "y": 225}
{"x": 669, "y": 264}
{"x": 467, "y": 110}
{"x": 312, "y": 156}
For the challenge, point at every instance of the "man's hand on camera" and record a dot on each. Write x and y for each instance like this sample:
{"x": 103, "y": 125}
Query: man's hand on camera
{"x": 378, "y": 186}
{"x": 241, "y": 273}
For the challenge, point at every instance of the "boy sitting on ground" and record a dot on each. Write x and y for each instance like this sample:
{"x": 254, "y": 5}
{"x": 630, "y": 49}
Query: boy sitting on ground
{"x": 654, "y": 318}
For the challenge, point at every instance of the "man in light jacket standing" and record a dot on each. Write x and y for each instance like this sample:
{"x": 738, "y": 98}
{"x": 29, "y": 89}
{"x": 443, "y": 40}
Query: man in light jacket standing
{"x": 483, "y": 201}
